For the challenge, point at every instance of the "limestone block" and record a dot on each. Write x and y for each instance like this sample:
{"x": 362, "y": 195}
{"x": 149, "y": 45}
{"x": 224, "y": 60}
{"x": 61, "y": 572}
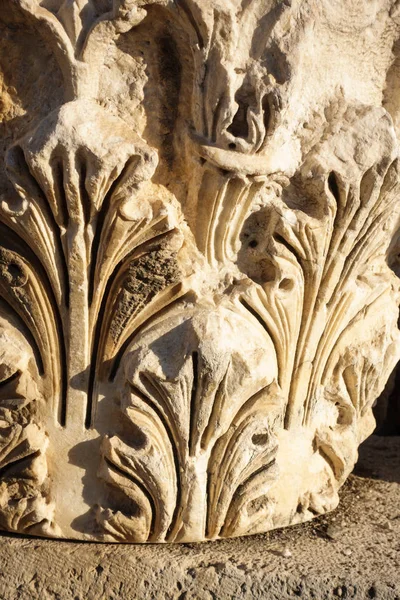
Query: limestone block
{"x": 199, "y": 274}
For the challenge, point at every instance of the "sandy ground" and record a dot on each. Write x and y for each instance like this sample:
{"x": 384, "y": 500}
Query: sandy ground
{"x": 352, "y": 553}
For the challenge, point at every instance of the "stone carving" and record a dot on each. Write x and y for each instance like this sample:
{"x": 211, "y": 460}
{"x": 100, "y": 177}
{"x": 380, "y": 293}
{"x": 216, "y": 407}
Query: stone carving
{"x": 198, "y": 262}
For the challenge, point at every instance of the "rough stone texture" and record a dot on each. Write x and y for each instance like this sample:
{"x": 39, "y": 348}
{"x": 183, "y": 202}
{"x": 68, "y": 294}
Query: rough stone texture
{"x": 353, "y": 553}
{"x": 199, "y": 260}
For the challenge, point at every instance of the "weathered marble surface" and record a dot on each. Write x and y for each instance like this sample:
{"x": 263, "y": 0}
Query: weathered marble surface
{"x": 199, "y": 206}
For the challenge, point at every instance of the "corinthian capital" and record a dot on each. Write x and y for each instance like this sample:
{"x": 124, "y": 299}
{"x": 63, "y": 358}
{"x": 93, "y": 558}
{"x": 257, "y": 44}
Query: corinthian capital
{"x": 199, "y": 277}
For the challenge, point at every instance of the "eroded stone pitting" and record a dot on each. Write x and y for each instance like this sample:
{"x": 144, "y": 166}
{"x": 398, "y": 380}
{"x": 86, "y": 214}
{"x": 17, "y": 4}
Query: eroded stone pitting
{"x": 198, "y": 282}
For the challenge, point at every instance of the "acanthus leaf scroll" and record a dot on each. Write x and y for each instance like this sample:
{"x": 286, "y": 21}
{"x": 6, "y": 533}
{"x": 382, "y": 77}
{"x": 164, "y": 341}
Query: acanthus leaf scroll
{"x": 194, "y": 288}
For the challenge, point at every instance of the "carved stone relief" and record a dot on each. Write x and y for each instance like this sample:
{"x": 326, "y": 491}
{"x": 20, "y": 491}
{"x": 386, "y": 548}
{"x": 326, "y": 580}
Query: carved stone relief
{"x": 199, "y": 280}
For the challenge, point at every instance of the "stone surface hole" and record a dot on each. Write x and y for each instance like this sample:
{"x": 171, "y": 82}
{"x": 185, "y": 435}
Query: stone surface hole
{"x": 334, "y": 186}
{"x": 239, "y": 127}
{"x": 267, "y": 112}
{"x": 14, "y": 271}
{"x": 286, "y": 284}
{"x": 260, "y": 439}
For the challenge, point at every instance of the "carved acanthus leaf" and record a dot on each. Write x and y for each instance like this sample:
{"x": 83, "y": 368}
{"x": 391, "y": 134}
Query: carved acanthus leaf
{"x": 24, "y": 497}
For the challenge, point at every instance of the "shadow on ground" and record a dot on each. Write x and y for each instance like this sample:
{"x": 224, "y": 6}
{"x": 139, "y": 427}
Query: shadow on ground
{"x": 379, "y": 458}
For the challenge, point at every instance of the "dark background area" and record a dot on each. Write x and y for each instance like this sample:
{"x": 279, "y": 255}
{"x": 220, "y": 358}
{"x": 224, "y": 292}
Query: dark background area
{"x": 387, "y": 408}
